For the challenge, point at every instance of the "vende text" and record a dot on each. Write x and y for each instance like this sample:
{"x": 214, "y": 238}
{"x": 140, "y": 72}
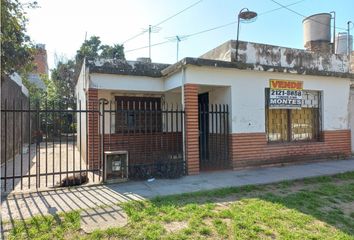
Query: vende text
{"x": 289, "y": 85}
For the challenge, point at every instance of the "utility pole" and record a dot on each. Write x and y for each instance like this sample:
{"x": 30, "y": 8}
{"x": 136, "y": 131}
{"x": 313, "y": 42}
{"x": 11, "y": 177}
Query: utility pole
{"x": 150, "y": 42}
{"x": 348, "y": 38}
{"x": 334, "y": 32}
{"x": 178, "y": 40}
{"x": 150, "y": 30}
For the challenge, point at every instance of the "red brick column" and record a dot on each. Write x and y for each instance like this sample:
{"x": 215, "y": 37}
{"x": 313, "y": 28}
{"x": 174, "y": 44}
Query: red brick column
{"x": 191, "y": 128}
{"x": 93, "y": 129}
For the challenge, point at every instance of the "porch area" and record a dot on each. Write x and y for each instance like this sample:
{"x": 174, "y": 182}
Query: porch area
{"x": 165, "y": 134}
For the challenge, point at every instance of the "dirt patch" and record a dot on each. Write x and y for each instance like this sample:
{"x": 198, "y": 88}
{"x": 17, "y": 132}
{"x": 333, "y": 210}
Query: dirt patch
{"x": 227, "y": 221}
{"x": 175, "y": 226}
{"x": 222, "y": 205}
{"x": 223, "y": 202}
{"x": 347, "y": 208}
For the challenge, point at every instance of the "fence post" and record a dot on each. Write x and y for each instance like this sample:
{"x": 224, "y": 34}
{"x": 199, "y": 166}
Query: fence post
{"x": 5, "y": 149}
{"x": 38, "y": 153}
{"x": 103, "y": 102}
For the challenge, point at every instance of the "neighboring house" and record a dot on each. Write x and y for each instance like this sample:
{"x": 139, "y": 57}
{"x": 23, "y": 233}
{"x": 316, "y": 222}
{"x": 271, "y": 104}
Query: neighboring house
{"x": 41, "y": 66}
{"x": 14, "y": 95}
{"x": 248, "y": 129}
{"x": 351, "y": 105}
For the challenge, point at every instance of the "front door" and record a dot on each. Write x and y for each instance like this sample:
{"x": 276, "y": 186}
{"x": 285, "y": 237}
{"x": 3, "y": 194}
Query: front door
{"x": 213, "y": 134}
{"x": 203, "y": 102}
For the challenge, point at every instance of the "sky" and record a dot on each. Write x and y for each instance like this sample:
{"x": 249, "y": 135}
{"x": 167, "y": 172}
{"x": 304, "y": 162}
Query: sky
{"x": 63, "y": 24}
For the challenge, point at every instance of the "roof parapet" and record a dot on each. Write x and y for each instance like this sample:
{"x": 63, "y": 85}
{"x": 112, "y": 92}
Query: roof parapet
{"x": 276, "y": 56}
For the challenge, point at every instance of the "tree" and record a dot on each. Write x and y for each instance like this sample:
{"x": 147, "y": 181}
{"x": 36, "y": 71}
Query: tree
{"x": 52, "y": 93}
{"x": 63, "y": 77}
{"x": 112, "y": 52}
{"x": 92, "y": 49}
{"x": 35, "y": 93}
{"x": 16, "y": 47}
{"x": 89, "y": 49}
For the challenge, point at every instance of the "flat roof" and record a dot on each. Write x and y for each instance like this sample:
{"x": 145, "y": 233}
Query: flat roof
{"x": 248, "y": 66}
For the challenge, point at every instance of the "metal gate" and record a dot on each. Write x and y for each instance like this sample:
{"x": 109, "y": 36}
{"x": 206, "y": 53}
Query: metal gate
{"x": 54, "y": 144}
{"x": 150, "y": 131}
{"x": 44, "y": 146}
{"x": 214, "y": 136}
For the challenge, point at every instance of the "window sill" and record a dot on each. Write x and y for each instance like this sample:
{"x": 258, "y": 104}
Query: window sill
{"x": 305, "y": 142}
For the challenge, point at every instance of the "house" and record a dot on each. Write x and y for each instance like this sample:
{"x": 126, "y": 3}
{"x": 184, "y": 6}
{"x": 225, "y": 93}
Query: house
{"x": 351, "y": 104}
{"x": 274, "y": 106}
{"x": 40, "y": 66}
{"x": 13, "y": 95}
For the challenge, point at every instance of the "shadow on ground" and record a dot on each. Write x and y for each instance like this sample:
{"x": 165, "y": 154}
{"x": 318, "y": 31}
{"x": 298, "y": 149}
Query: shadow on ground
{"x": 87, "y": 199}
{"x": 328, "y": 200}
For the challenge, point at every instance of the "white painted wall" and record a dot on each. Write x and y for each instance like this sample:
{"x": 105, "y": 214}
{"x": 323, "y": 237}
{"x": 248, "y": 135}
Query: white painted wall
{"x": 126, "y": 82}
{"x": 243, "y": 90}
{"x": 176, "y": 121}
{"x": 351, "y": 114}
{"x": 81, "y": 97}
{"x": 173, "y": 81}
{"x": 248, "y": 95}
{"x": 220, "y": 95}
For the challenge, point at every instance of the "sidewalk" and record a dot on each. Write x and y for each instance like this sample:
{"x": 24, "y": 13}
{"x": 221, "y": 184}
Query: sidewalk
{"x": 21, "y": 206}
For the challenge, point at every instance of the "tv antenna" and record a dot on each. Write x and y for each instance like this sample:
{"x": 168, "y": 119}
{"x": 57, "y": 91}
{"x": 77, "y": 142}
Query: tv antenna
{"x": 151, "y": 29}
{"x": 177, "y": 39}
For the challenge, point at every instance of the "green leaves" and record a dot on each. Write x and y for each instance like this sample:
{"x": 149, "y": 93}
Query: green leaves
{"x": 112, "y": 52}
{"x": 92, "y": 49}
{"x": 15, "y": 44}
{"x": 63, "y": 81}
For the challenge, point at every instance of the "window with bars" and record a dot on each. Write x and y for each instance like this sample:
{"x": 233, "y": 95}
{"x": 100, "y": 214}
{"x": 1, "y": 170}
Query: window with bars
{"x": 138, "y": 114}
{"x": 290, "y": 125}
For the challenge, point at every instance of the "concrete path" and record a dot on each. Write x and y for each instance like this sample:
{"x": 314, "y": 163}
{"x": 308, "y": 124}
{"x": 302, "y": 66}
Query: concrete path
{"x": 50, "y": 158}
{"x": 21, "y": 206}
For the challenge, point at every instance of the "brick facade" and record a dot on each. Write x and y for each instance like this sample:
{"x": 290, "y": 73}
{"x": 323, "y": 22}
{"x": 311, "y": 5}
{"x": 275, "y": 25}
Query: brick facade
{"x": 245, "y": 149}
{"x": 146, "y": 148}
{"x": 191, "y": 128}
{"x": 40, "y": 61}
{"x": 93, "y": 150}
{"x": 252, "y": 149}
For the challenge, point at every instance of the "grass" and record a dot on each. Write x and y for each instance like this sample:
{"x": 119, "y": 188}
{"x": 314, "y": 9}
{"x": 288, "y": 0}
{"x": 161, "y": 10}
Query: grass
{"x": 316, "y": 208}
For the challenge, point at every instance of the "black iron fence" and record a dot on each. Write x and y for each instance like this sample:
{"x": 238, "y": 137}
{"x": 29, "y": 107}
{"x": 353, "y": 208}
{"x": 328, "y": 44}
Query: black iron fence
{"x": 50, "y": 155}
{"x": 214, "y": 136}
{"x": 66, "y": 145}
{"x": 150, "y": 131}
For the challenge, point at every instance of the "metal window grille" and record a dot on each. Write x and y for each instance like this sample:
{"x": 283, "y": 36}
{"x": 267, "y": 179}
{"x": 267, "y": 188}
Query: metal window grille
{"x": 128, "y": 117}
{"x": 291, "y": 125}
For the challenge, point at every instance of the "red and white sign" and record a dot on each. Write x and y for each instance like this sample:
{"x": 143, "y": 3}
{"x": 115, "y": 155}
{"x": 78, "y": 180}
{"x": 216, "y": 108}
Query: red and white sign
{"x": 285, "y": 94}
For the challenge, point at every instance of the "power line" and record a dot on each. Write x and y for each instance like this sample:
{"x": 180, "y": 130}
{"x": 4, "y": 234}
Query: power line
{"x": 152, "y": 45}
{"x": 276, "y": 9}
{"x": 163, "y": 21}
{"x": 183, "y": 10}
{"x": 178, "y": 39}
{"x": 297, "y": 13}
{"x": 211, "y": 29}
{"x": 217, "y": 27}
{"x": 135, "y": 36}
